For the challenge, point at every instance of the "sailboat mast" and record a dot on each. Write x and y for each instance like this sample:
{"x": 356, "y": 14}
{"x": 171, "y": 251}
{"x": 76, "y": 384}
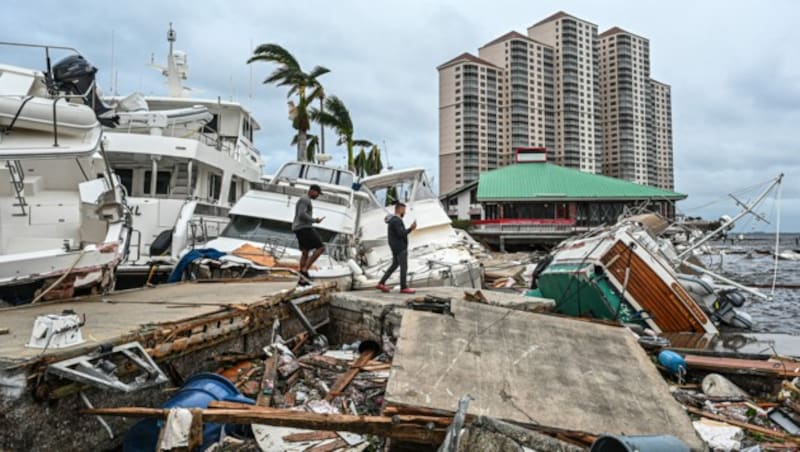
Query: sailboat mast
{"x": 747, "y": 209}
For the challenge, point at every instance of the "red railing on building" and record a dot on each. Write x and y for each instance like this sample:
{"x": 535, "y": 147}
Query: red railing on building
{"x": 526, "y": 221}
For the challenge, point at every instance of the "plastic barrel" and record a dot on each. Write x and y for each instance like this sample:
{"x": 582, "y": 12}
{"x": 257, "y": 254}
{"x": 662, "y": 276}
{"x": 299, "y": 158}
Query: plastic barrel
{"x": 197, "y": 392}
{"x": 672, "y": 361}
{"x": 640, "y": 443}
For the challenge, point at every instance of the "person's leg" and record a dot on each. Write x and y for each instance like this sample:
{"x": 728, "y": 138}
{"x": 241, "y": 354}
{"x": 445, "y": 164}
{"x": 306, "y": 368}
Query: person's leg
{"x": 313, "y": 258}
{"x": 303, "y": 259}
{"x": 403, "y": 258}
{"x": 389, "y": 270}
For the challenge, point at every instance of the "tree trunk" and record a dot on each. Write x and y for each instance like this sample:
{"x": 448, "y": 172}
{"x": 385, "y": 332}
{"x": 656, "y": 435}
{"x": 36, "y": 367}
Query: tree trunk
{"x": 301, "y": 146}
{"x": 350, "y": 165}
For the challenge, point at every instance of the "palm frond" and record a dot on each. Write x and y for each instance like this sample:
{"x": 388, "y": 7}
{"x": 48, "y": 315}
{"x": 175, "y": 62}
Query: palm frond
{"x": 317, "y": 72}
{"x": 362, "y": 143}
{"x": 335, "y": 107}
{"x": 276, "y": 54}
{"x": 281, "y": 75}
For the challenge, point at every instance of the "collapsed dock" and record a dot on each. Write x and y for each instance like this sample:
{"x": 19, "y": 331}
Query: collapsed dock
{"x": 530, "y": 374}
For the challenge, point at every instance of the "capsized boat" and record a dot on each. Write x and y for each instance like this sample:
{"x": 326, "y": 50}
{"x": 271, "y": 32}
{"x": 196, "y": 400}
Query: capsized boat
{"x": 632, "y": 272}
{"x": 619, "y": 273}
{"x": 64, "y": 224}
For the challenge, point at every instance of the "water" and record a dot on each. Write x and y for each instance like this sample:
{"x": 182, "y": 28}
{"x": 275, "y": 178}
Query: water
{"x": 750, "y": 262}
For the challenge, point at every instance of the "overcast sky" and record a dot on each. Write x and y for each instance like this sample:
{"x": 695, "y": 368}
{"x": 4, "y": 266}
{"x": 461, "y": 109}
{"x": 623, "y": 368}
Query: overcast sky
{"x": 732, "y": 66}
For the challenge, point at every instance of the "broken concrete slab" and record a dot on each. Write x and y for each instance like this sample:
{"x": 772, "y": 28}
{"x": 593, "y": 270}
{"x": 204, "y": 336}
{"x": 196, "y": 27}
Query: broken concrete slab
{"x": 533, "y": 368}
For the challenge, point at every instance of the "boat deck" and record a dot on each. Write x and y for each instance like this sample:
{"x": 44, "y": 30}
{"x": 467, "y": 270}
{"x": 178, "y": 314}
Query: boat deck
{"x": 120, "y": 314}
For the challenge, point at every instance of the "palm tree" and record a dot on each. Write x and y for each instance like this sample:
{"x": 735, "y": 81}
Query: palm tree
{"x": 289, "y": 73}
{"x": 337, "y": 117}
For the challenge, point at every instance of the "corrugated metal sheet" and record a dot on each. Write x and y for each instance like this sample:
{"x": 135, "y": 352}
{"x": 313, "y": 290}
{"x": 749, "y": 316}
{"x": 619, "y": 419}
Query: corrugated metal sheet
{"x": 548, "y": 181}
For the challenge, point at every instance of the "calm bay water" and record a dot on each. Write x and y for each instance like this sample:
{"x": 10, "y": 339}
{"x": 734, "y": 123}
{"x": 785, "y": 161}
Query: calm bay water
{"x": 745, "y": 263}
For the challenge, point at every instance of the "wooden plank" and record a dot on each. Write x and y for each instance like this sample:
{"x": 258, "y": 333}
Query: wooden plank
{"x": 309, "y": 436}
{"x": 775, "y": 368}
{"x": 344, "y": 380}
{"x": 427, "y": 414}
{"x": 670, "y": 306}
{"x": 269, "y": 380}
{"x": 366, "y": 425}
{"x": 329, "y": 446}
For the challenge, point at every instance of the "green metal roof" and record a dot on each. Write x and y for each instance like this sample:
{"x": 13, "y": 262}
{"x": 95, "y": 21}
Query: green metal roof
{"x": 546, "y": 181}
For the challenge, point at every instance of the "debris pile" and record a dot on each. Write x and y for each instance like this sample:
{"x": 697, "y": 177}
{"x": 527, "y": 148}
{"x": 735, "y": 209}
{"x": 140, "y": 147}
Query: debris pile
{"x": 307, "y": 376}
{"x": 509, "y": 270}
{"x": 738, "y": 404}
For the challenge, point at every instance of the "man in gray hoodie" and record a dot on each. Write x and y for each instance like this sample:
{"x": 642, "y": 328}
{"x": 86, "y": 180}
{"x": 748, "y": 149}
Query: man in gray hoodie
{"x": 398, "y": 242}
{"x": 308, "y": 238}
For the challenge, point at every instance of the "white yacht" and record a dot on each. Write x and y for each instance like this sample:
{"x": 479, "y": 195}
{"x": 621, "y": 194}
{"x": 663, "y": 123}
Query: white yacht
{"x": 263, "y": 219}
{"x": 184, "y": 162}
{"x": 64, "y": 226}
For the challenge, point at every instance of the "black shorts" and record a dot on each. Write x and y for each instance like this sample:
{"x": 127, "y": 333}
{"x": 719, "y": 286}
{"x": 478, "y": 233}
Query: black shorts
{"x": 308, "y": 239}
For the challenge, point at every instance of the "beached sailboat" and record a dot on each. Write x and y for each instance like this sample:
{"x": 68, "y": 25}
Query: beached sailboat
{"x": 64, "y": 224}
{"x": 628, "y": 272}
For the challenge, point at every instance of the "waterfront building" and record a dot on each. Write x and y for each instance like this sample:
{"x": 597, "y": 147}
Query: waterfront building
{"x": 577, "y": 98}
{"x": 468, "y": 119}
{"x": 586, "y": 97}
{"x": 535, "y": 201}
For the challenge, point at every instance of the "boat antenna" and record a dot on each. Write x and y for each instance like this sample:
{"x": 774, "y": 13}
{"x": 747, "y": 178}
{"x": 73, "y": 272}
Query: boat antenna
{"x": 746, "y": 209}
{"x": 250, "y": 87}
{"x": 111, "y": 74}
{"x": 386, "y": 149}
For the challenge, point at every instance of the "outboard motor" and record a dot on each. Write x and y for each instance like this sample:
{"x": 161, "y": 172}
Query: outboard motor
{"x": 75, "y": 75}
{"x": 725, "y": 309}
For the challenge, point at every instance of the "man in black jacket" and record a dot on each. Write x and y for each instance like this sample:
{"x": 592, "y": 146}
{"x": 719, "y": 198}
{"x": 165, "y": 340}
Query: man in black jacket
{"x": 398, "y": 242}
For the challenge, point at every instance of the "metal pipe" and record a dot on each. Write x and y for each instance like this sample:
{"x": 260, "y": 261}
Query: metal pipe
{"x": 726, "y": 280}
{"x": 153, "y": 176}
{"x": 55, "y": 124}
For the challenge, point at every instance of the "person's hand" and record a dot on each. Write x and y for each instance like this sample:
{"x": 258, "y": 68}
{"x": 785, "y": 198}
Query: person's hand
{"x": 414, "y": 225}
{"x": 318, "y": 220}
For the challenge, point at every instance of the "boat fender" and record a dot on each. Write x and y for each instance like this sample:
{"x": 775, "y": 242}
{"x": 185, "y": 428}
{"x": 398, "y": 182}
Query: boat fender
{"x": 673, "y": 362}
{"x": 162, "y": 244}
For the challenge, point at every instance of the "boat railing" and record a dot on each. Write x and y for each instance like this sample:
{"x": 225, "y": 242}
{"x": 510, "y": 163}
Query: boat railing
{"x": 199, "y": 230}
{"x": 277, "y": 247}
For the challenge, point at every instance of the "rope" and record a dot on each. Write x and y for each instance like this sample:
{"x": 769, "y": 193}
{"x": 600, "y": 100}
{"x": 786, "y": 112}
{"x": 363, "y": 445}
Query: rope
{"x": 58, "y": 281}
{"x": 777, "y": 238}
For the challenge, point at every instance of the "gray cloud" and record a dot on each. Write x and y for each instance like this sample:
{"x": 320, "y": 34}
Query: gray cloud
{"x": 731, "y": 64}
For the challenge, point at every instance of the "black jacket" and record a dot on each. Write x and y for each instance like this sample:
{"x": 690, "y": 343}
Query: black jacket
{"x": 398, "y": 234}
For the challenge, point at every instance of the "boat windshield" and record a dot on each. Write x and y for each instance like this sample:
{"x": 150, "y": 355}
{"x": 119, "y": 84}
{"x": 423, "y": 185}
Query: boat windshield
{"x": 316, "y": 173}
{"x": 387, "y": 195}
{"x": 263, "y": 230}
